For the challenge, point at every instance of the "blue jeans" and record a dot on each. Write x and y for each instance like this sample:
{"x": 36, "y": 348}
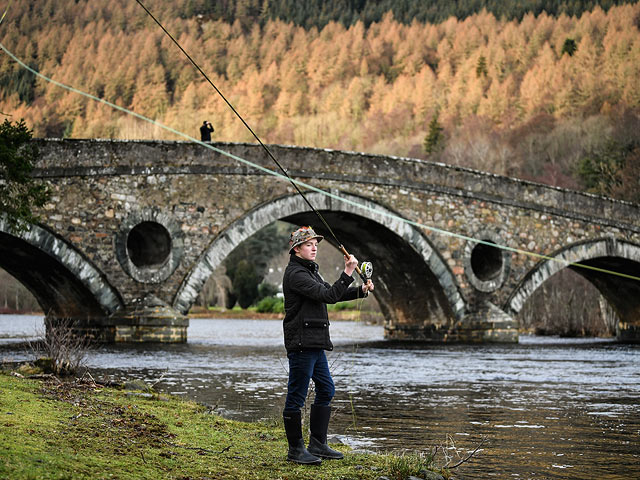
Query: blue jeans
{"x": 304, "y": 366}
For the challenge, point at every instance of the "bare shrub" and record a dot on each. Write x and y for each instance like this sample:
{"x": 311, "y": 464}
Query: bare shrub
{"x": 548, "y": 150}
{"x": 477, "y": 144}
{"x": 62, "y": 350}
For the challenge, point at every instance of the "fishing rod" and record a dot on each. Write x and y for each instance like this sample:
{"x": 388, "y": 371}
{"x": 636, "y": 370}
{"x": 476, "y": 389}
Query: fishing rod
{"x": 366, "y": 265}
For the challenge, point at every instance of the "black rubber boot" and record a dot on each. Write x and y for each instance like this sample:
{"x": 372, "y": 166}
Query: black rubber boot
{"x": 319, "y": 424}
{"x": 297, "y": 452}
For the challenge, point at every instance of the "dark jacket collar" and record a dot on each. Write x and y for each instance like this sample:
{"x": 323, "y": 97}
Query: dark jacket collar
{"x": 313, "y": 266}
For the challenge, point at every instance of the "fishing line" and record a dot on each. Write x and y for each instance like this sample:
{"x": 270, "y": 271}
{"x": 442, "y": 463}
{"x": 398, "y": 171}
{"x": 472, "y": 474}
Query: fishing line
{"x": 311, "y": 187}
{"x": 266, "y": 149}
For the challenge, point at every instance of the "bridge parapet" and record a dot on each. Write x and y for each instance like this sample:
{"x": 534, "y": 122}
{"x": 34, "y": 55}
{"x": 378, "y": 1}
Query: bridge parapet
{"x": 76, "y": 157}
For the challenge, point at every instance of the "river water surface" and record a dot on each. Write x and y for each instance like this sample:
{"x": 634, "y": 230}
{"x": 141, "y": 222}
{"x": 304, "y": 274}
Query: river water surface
{"x": 548, "y": 407}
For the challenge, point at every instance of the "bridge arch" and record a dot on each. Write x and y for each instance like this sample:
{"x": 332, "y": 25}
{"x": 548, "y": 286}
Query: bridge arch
{"x": 605, "y": 253}
{"x": 65, "y": 283}
{"x": 425, "y": 291}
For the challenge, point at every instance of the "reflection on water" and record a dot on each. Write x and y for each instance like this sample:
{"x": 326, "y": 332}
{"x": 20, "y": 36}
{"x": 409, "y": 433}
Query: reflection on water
{"x": 549, "y": 407}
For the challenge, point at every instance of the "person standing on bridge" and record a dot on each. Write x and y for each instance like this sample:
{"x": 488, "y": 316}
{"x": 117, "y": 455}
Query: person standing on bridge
{"x": 306, "y": 337}
{"x": 205, "y": 131}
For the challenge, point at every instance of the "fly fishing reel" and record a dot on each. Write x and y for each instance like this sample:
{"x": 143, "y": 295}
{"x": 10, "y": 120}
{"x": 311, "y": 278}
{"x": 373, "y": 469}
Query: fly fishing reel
{"x": 366, "y": 271}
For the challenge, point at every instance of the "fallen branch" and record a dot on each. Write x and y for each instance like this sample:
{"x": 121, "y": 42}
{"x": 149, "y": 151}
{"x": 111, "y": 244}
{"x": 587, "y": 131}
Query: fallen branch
{"x": 91, "y": 379}
{"x": 152, "y": 387}
{"x": 468, "y": 457}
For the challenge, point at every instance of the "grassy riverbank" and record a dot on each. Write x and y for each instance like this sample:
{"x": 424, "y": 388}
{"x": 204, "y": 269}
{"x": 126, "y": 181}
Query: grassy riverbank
{"x": 53, "y": 430}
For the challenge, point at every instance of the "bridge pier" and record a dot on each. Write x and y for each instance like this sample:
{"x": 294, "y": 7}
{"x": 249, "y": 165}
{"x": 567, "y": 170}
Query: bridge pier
{"x": 488, "y": 324}
{"x": 145, "y": 321}
{"x": 148, "y": 320}
{"x": 627, "y": 332}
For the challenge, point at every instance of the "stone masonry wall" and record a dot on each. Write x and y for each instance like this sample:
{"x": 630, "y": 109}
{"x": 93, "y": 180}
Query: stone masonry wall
{"x": 98, "y": 185}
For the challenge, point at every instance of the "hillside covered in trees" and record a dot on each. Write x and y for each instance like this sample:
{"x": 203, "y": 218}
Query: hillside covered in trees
{"x": 318, "y": 13}
{"x": 542, "y": 90}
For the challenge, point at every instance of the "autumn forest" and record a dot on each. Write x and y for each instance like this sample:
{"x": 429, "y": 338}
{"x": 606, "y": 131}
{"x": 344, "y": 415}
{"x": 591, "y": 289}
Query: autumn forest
{"x": 548, "y": 98}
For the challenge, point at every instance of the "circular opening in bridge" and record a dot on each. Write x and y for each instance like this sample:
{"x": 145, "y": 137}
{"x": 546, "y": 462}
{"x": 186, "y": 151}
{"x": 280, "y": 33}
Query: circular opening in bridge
{"x": 148, "y": 244}
{"x": 486, "y": 261}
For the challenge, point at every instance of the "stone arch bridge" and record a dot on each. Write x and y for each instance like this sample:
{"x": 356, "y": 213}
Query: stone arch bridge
{"x": 134, "y": 229}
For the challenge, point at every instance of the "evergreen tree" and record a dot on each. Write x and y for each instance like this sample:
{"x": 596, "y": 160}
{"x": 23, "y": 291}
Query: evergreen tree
{"x": 21, "y": 81}
{"x": 481, "y": 67}
{"x": 629, "y": 187}
{"x": 569, "y": 47}
{"x": 245, "y": 283}
{"x": 434, "y": 141}
{"x": 19, "y": 192}
{"x": 602, "y": 171}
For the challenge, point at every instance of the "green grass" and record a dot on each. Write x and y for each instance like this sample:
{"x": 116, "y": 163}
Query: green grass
{"x": 77, "y": 431}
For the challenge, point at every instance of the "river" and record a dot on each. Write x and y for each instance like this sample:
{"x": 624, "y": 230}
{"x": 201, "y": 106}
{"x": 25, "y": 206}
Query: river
{"x": 548, "y": 407}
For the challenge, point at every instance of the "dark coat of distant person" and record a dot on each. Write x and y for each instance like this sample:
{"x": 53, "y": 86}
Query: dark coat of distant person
{"x": 205, "y": 131}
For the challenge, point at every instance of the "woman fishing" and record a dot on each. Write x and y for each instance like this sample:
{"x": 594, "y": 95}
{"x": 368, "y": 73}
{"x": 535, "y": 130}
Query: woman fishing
{"x": 306, "y": 337}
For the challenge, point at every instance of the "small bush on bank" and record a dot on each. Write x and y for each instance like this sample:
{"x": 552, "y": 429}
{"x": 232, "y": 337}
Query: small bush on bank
{"x": 417, "y": 465}
{"x": 266, "y": 289}
{"x": 270, "y": 305}
{"x": 338, "y": 307}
